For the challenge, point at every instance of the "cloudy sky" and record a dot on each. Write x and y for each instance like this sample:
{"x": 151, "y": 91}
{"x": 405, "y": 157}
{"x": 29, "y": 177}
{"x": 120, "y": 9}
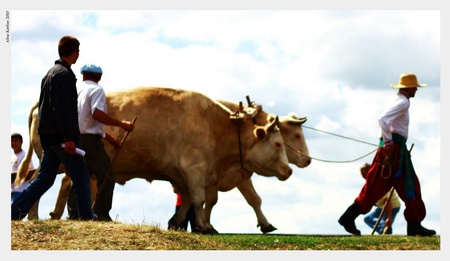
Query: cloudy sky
{"x": 332, "y": 66}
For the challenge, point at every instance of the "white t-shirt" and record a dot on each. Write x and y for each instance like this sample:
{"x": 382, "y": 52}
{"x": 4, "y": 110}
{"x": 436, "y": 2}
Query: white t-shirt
{"x": 15, "y": 162}
{"x": 91, "y": 96}
{"x": 16, "y": 159}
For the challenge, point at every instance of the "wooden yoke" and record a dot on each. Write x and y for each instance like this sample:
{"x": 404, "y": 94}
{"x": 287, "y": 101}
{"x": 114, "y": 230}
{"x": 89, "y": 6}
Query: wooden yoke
{"x": 246, "y": 113}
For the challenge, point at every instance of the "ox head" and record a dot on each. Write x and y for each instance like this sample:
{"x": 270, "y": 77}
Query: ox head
{"x": 294, "y": 140}
{"x": 266, "y": 154}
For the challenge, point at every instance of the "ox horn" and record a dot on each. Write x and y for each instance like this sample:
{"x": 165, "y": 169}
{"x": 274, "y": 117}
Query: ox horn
{"x": 295, "y": 120}
{"x": 271, "y": 126}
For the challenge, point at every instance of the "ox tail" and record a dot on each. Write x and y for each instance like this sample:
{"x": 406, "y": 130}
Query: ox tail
{"x": 22, "y": 171}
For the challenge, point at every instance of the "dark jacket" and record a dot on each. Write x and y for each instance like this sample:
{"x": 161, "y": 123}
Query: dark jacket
{"x": 58, "y": 115}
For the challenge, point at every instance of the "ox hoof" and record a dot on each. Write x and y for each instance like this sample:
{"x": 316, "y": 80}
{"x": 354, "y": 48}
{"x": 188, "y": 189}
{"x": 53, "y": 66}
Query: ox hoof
{"x": 214, "y": 230}
{"x": 172, "y": 225}
{"x": 209, "y": 231}
{"x": 52, "y": 215}
{"x": 267, "y": 229}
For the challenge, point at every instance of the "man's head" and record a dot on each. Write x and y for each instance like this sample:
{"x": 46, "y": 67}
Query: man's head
{"x": 69, "y": 49}
{"x": 16, "y": 142}
{"x": 408, "y": 84}
{"x": 91, "y": 72}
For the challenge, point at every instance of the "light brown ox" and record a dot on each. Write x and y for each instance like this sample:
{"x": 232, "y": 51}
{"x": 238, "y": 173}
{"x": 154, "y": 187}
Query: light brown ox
{"x": 187, "y": 138}
{"x": 296, "y": 150}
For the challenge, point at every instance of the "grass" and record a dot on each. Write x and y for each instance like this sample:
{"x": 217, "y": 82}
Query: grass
{"x": 89, "y": 235}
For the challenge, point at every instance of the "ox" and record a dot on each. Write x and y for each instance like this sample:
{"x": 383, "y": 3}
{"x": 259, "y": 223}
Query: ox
{"x": 296, "y": 150}
{"x": 192, "y": 141}
{"x": 297, "y": 153}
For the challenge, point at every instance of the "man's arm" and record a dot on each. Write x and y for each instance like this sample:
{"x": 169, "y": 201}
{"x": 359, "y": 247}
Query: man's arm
{"x": 112, "y": 140}
{"x": 104, "y": 118}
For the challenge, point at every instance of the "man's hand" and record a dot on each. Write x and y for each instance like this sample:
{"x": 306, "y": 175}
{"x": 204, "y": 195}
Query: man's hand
{"x": 113, "y": 141}
{"x": 128, "y": 126}
{"x": 70, "y": 147}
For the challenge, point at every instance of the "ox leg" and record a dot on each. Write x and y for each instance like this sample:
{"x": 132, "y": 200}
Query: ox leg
{"x": 212, "y": 196}
{"x": 254, "y": 200}
{"x": 184, "y": 215}
{"x": 200, "y": 218}
{"x": 178, "y": 220}
{"x": 61, "y": 200}
{"x": 34, "y": 211}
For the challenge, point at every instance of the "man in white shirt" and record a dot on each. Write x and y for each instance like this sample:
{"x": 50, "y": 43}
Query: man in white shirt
{"x": 92, "y": 118}
{"x": 16, "y": 159}
{"x": 392, "y": 166}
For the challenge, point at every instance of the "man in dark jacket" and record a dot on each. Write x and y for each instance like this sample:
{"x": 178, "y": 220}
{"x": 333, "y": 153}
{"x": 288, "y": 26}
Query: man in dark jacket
{"x": 59, "y": 133}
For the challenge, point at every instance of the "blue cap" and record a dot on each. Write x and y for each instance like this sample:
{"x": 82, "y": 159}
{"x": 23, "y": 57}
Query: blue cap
{"x": 91, "y": 68}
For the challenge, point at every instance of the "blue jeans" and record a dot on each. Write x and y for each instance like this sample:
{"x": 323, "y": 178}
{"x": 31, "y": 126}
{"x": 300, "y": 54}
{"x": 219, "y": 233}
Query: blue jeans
{"x": 52, "y": 157}
{"x": 15, "y": 195}
{"x": 372, "y": 217}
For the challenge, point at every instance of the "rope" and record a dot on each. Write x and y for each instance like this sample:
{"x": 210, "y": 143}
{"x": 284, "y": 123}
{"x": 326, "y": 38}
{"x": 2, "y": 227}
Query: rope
{"x": 334, "y": 161}
{"x": 330, "y": 161}
{"x": 341, "y": 136}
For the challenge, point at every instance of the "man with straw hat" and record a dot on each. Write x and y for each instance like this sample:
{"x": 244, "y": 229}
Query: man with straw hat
{"x": 392, "y": 166}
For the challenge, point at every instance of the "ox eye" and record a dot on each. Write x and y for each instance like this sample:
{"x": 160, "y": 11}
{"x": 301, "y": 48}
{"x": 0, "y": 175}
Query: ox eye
{"x": 297, "y": 136}
{"x": 278, "y": 145}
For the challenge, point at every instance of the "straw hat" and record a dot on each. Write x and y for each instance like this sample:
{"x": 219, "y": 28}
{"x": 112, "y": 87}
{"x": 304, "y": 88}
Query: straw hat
{"x": 407, "y": 80}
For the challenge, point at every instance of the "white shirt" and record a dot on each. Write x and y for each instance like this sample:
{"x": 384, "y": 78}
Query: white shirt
{"x": 395, "y": 119}
{"x": 395, "y": 200}
{"x": 16, "y": 159}
{"x": 91, "y": 96}
{"x": 15, "y": 162}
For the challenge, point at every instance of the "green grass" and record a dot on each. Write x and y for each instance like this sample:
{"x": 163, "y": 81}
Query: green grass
{"x": 81, "y": 235}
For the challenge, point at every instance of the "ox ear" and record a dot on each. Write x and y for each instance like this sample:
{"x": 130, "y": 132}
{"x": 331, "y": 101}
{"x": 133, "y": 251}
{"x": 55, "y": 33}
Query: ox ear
{"x": 260, "y": 133}
{"x": 293, "y": 119}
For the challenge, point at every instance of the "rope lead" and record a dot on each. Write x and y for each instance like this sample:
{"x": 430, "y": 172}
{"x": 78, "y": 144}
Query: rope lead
{"x": 335, "y": 161}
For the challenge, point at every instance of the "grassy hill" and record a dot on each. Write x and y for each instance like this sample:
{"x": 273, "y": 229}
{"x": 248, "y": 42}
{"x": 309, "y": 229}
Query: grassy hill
{"x": 89, "y": 235}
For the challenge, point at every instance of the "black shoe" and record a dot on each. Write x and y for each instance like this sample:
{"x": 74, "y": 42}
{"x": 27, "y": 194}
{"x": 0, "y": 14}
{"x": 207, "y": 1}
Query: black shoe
{"x": 347, "y": 220}
{"x": 349, "y": 226}
{"x": 416, "y": 229}
{"x": 17, "y": 215}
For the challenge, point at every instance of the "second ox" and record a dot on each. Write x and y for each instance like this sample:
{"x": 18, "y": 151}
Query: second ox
{"x": 297, "y": 152}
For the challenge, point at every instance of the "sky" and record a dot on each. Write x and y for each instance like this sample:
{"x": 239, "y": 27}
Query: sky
{"x": 332, "y": 66}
